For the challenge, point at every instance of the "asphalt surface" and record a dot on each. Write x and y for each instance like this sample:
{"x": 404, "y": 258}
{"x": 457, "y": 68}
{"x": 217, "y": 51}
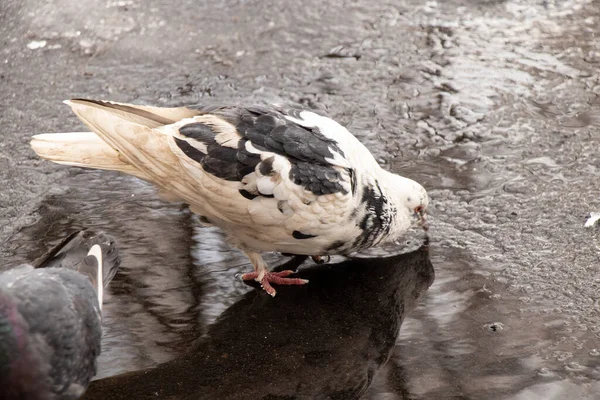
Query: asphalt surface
{"x": 493, "y": 106}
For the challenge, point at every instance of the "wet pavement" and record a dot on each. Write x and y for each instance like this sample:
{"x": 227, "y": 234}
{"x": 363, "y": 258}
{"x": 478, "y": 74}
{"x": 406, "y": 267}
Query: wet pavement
{"x": 493, "y": 106}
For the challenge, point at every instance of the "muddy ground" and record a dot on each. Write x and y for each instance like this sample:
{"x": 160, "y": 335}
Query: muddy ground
{"x": 493, "y": 106}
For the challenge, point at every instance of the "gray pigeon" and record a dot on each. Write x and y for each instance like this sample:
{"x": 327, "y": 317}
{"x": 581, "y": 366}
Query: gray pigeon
{"x": 50, "y": 319}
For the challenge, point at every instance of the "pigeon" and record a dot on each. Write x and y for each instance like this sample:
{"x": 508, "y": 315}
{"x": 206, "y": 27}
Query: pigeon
{"x": 273, "y": 178}
{"x": 50, "y": 319}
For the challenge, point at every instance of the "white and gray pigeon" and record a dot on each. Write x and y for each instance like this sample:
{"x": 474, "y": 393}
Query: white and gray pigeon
{"x": 50, "y": 319}
{"x": 272, "y": 178}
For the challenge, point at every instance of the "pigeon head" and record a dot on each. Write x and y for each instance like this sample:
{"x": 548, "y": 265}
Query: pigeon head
{"x": 409, "y": 200}
{"x": 417, "y": 201}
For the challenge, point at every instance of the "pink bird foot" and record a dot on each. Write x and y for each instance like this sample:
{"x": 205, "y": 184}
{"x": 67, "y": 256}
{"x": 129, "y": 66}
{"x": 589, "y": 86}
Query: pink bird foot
{"x": 278, "y": 278}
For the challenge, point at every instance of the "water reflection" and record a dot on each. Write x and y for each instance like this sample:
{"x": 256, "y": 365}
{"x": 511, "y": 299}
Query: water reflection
{"x": 151, "y": 305}
{"x": 324, "y": 340}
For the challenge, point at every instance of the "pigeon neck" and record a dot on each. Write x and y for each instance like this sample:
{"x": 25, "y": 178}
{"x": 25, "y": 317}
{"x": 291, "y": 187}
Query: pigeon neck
{"x": 378, "y": 216}
{"x": 397, "y": 190}
{"x": 12, "y": 330}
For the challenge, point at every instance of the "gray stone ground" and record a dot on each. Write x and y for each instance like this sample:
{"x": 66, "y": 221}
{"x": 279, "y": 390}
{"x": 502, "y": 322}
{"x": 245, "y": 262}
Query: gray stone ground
{"x": 494, "y": 106}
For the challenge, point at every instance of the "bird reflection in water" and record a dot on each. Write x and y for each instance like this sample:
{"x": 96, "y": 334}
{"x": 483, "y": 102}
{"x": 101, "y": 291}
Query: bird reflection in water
{"x": 325, "y": 340}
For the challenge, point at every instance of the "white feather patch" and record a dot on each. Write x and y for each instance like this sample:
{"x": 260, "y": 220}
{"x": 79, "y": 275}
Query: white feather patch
{"x": 328, "y": 127}
{"x": 96, "y": 252}
{"x": 264, "y": 211}
{"x": 250, "y": 148}
{"x": 226, "y": 134}
{"x": 265, "y": 185}
{"x": 592, "y": 220}
{"x": 354, "y": 150}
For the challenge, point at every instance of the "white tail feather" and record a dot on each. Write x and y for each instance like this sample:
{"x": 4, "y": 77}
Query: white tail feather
{"x": 138, "y": 140}
{"x": 134, "y": 139}
{"x": 81, "y": 149}
{"x": 149, "y": 116}
{"x": 96, "y": 252}
{"x": 140, "y": 146}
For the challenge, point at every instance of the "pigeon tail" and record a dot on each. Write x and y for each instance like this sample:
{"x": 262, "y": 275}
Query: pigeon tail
{"x": 82, "y": 149}
{"x": 96, "y": 149}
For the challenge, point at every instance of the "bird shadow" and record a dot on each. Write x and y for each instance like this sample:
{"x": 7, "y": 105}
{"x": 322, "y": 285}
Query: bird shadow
{"x": 324, "y": 340}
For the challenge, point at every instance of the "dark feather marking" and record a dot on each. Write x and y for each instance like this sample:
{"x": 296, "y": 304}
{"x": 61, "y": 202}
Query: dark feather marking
{"x": 199, "y": 131}
{"x": 204, "y": 133}
{"x": 266, "y": 167}
{"x": 221, "y": 169}
{"x": 247, "y": 194}
{"x": 221, "y": 161}
{"x": 292, "y": 111}
{"x": 319, "y": 179}
{"x": 352, "y": 180}
{"x": 248, "y": 159}
{"x": 377, "y": 220}
{"x": 274, "y": 145}
{"x": 244, "y": 170}
{"x": 265, "y": 123}
{"x": 222, "y": 153}
{"x": 335, "y": 246}
{"x": 280, "y": 205}
{"x": 190, "y": 150}
{"x": 260, "y": 148}
{"x": 247, "y": 131}
{"x": 300, "y": 235}
{"x": 267, "y": 129}
{"x": 44, "y": 259}
{"x": 374, "y": 203}
{"x": 318, "y": 188}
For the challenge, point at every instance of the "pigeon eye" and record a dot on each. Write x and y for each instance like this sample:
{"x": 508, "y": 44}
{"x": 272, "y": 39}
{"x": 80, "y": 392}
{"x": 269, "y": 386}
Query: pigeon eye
{"x": 419, "y": 209}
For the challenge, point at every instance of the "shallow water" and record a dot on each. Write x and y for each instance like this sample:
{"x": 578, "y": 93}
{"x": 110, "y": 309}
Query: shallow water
{"x": 325, "y": 340}
{"x": 493, "y": 106}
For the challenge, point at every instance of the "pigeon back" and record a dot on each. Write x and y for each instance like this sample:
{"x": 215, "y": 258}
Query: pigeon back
{"x": 50, "y": 319}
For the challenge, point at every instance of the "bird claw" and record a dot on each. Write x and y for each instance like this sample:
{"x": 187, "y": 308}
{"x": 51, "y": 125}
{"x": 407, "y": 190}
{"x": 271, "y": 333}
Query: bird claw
{"x": 278, "y": 278}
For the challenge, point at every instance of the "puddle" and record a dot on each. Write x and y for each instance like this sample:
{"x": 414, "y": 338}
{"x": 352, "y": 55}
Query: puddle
{"x": 326, "y": 340}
